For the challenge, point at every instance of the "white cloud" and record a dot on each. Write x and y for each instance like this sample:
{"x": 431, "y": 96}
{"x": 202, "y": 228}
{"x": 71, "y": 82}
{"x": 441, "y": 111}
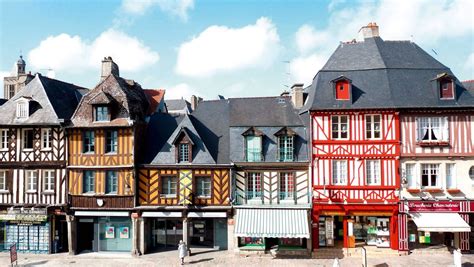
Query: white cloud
{"x": 421, "y": 21}
{"x": 223, "y": 49}
{"x": 469, "y": 65}
{"x": 66, "y": 53}
{"x": 304, "y": 68}
{"x": 174, "y": 7}
{"x": 182, "y": 90}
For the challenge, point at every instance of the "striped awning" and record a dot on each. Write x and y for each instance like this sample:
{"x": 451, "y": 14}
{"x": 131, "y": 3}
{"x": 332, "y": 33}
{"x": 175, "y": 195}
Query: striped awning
{"x": 289, "y": 223}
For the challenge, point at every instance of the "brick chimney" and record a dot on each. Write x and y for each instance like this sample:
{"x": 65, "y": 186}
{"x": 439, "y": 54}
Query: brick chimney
{"x": 370, "y": 31}
{"x": 109, "y": 67}
{"x": 195, "y": 101}
{"x": 297, "y": 95}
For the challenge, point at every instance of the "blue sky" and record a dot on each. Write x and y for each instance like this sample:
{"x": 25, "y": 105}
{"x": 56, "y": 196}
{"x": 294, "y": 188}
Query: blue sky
{"x": 232, "y": 48}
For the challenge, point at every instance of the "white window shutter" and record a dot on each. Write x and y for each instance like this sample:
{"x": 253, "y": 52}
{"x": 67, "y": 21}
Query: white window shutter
{"x": 445, "y": 129}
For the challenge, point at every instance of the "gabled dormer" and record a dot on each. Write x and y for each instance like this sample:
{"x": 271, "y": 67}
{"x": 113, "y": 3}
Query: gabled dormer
{"x": 286, "y": 144}
{"x": 183, "y": 146}
{"x": 342, "y": 87}
{"x": 446, "y": 86}
{"x": 253, "y": 144}
{"x": 23, "y": 107}
{"x": 101, "y": 107}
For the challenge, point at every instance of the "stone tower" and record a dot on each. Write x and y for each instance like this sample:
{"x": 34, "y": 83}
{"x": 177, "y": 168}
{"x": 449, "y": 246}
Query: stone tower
{"x": 16, "y": 81}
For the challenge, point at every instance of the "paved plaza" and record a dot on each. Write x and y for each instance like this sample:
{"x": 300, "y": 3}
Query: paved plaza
{"x": 220, "y": 258}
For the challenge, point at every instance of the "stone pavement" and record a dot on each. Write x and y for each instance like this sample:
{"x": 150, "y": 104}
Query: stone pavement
{"x": 219, "y": 258}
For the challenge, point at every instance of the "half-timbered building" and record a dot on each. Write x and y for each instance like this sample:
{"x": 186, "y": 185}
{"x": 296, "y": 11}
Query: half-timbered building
{"x": 356, "y": 144}
{"x": 103, "y": 148}
{"x": 268, "y": 146}
{"x": 184, "y": 184}
{"x": 33, "y": 189}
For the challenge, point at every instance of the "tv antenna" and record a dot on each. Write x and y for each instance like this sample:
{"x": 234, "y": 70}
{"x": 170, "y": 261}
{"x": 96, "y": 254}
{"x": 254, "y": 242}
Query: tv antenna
{"x": 287, "y": 73}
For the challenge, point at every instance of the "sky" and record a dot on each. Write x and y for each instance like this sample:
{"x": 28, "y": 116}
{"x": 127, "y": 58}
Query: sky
{"x": 219, "y": 47}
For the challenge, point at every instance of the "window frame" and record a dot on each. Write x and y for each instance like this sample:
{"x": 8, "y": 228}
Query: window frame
{"x": 450, "y": 176}
{"x": 370, "y": 127}
{"x": 471, "y": 173}
{"x": 91, "y": 182}
{"x": 257, "y": 155}
{"x": 339, "y": 130}
{"x": 3, "y": 180}
{"x": 373, "y": 169}
{"x": 169, "y": 194}
{"x": 89, "y": 145}
{"x": 430, "y": 169}
{"x": 424, "y": 127}
{"x": 285, "y": 145}
{"x": 108, "y": 183}
{"x": 11, "y": 90}
{"x": 111, "y": 141}
{"x": 341, "y": 176}
{"x": 4, "y": 139}
{"x": 31, "y": 181}
{"x": 451, "y": 85}
{"x": 254, "y": 186}
{"x": 201, "y": 186}
{"x": 22, "y": 110}
{"x": 48, "y": 133}
{"x": 412, "y": 180}
{"x": 101, "y": 118}
{"x": 288, "y": 181}
{"x": 24, "y": 140}
{"x": 184, "y": 157}
{"x": 49, "y": 184}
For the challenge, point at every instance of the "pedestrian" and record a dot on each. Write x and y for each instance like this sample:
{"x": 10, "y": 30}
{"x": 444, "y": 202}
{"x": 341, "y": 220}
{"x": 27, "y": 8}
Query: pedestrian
{"x": 457, "y": 255}
{"x": 182, "y": 250}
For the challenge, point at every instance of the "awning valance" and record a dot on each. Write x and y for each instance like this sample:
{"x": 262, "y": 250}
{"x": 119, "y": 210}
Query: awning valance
{"x": 289, "y": 223}
{"x": 440, "y": 222}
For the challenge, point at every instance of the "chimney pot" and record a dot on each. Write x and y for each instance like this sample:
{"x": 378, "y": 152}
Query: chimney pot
{"x": 370, "y": 31}
{"x": 109, "y": 67}
{"x": 297, "y": 95}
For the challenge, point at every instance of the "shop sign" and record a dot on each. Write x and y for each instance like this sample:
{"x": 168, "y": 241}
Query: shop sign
{"x": 444, "y": 206}
{"x": 27, "y": 218}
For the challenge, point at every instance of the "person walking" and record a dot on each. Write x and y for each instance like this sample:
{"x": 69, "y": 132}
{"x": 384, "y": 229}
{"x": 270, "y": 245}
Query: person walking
{"x": 182, "y": 250}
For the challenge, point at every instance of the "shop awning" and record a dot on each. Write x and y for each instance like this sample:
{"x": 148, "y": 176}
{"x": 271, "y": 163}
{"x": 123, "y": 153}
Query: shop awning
{"x": 440, "y": 222}
{"x": 289, "y": 223}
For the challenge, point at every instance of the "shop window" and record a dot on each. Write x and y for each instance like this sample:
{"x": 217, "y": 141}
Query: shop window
{"x": 31, "y": 181}
{"x": 48, "y": 178}
{"x": 102, "y": 113}
{"x": 254, "y": 190}
{"x": 430, "y": 175}
{"x": 287, "y": 186}
{"x": 28, "y": 139}
{"x": 372, "y": 168}
{"x": 111, "y": 182}
{"x": 203, "y": 186}
{"x": 450, "y": 176}
{"x": 111, "y": 141}
{"x": 88, "y": 182}
{"x": 432, "y": 129}
{"x": 88, "y": 142}
{"x": 169, "y": 186}
{"x": 252, "y": 242}
{"x": 339, "y": 172}
{"x": 3, "y": 139}
{"x": 285, "y": 148}
{"x": 3, "y": 180}
{"x": 410, "y": 175}
{"x": 372, "y": 126}
{"x": 253, "y": 148}
{"x": 46, "y": 138}
{"x": 290, "y": 242}
{"x": 340, "y": 127}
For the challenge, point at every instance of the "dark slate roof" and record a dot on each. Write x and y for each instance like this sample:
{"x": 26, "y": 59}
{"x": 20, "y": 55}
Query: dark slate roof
{"x": 53, "y": 102}
{"x": 3, "y": 101}
{"x": 207, "y": 127}
{"x": 177, "y": 105}
{"x": 384, "y": 74}
{"x": 263, "y": 111}
{"x": 469, "y": 85}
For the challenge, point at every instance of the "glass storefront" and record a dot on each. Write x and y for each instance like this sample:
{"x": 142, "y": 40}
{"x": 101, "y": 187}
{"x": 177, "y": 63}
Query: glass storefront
{"x": 166, "y": 233}
{"x": 29, "y": 237}
{"x": 115, "y": 234}
{"x": 424, "y": 239}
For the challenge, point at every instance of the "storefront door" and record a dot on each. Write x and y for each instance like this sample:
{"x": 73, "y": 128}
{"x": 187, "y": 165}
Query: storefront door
{"x": 202, "y": 232}
{"x": 220, "y": 232}
{"x": 85, "y": 235}
{"x": 167, "y": 233}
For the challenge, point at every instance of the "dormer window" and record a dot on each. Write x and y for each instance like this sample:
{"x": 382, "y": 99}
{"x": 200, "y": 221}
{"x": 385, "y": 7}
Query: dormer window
{"x": 446, "y": 90}
{"x": 183, "y": 146}
{"x": 102, "y": 113}
{"x": 286, "y": 139}
{"x": 253, "y": 145}
{"x": 22, "y": 110}
{"x": 183, "y": 152}
{"x": 342, "y": 88}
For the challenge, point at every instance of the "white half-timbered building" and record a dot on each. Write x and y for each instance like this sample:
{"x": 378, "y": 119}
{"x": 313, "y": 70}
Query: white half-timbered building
{"x": 33, "y": 197}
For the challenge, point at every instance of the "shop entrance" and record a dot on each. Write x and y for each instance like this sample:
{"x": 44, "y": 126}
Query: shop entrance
{"x": 166, "y": 233}
{"x": 85, "y": 234}
{"x": 202, "y": 233}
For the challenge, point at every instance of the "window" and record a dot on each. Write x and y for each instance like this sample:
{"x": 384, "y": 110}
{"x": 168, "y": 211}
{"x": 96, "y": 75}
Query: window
{"x": 203, "y": 186}
{"x": 46, "y": 138}
{"x": 339, "y": 127}
{"x": 372, "y": 126}
{"x": 285, "y": 147}
{"x": 22, "y": 110}
{"x": 253, "y": 185}
{"x": 3, "y": 139}
{"x": 111, "y": 182}
{"x": 88, "y": 182}
{"x": 446, "y": 89}
{"x": 183, "y": 152}
{"x": 102, "y": 113}
{"x": 432, "y": 129}
{"x": 342, "y": 90}
{"x": 48, "y": 178}
{"x": 372, "y": 168}
{"x": 410, "y": 175}
{"x": 471, "y": 173}
{"x": 3, "y": 180}
{"x": 89, "y": 141}
{"x": 339, "y": 172}
{"x": 430, "y": 175}
{"x": 28, "y": 139}
{"x": 287, "y": 185}
{"x": 169, "y": 186}
{"x": 111, "y": 142}
{"x": 31, "y": 181}
{"x": 253, "y": 146}
{"x": 10, "y": 90}
{"x": 450, "y": 176}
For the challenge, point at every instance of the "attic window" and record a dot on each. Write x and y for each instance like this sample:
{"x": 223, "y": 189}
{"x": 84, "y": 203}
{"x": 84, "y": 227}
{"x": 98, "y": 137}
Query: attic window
{"x": 446, "y": 89}
{"x": 183, "y": 152}
{"x": 102, "y": 113}
{"x": 22, "y": 110}
{"x": 342, "y": 90}
{"x": 183, "y": 147}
